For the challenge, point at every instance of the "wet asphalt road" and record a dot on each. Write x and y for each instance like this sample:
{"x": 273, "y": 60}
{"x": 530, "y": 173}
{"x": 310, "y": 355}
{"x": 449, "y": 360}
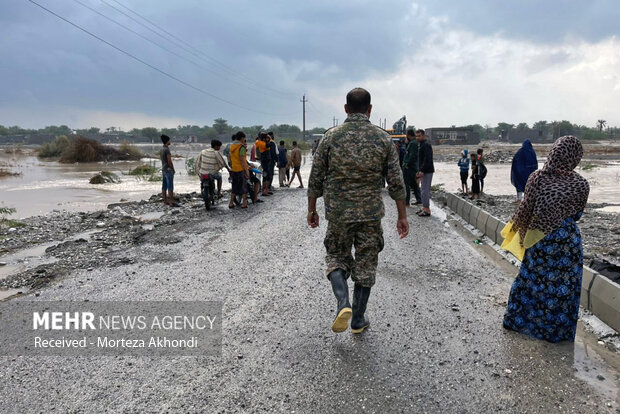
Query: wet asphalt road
{"x": 435, "y": 344}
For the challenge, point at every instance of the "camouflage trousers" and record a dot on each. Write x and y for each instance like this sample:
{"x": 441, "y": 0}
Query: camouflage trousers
{"x": 366, "y": 237}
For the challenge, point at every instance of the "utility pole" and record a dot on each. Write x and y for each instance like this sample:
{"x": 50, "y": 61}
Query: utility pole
{"x": 335, "y": 121}
{"x": 303, "y": 101}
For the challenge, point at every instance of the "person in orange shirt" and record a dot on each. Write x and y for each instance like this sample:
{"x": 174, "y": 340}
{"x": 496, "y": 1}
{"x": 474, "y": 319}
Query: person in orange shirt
{"x": 263, "y": 148}
{"x": 240, "y": 171}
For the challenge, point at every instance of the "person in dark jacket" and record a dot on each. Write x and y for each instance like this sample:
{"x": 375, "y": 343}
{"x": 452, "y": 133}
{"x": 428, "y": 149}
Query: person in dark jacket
{"x": 282, "y": 163}
{"x": 400, "y": 147}
{"x": 426, "y": 168}
{"x": 475, "y": 177}
{"x": 273, "y": 151}
{"x": 410, "y": 169}
{"x": 524, "y": 163}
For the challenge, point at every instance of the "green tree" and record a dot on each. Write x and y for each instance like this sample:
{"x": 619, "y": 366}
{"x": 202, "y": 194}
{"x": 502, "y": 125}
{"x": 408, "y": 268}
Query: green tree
{"x": 150, "y": 132}
{"x": 169, "y": 131}
{"x": 601, "y": 124}
{"x": 317, "y": 130}
{"x": 478, "y": 129}
{"x": 565, "y": 128}
{"x": 540, "y": 125}
{"x": 503, "y": 128}
{"x": 221, "y": 125}
{"x": 522, "y": 126}
{"x": 93, "y": 130}
{"x": 4, "y": 130}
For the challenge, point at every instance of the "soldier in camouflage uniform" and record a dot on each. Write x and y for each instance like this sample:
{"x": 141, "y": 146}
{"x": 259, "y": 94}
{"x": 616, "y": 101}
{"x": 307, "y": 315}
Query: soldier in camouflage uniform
{"x": 350, "y": 168}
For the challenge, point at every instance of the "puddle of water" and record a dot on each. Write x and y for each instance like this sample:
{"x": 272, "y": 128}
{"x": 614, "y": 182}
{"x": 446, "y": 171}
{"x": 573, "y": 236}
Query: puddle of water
{"x": 148, "y": 226}
{"x": 597, "y": 366}
{"x": 23, "y": 259}
{"x": 34, "y": 256}
{"x": 7, "y": 293}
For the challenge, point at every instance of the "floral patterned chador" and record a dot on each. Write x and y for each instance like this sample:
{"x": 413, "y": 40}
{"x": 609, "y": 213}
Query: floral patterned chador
{"x": 544, "y": 299}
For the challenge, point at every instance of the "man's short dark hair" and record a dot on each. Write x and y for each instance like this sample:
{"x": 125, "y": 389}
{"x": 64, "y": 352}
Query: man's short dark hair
{"x": 270, "y": 133}
{"x": 216, "y": 143}
{"x": 411, "y": 132}
{"x": 165, "y": 138}
{"x": 295, "y": 143}
{"x": 358, "y": 100}
{"x": 479, "y": 151}
{"x": 239, "y": 135}
{"x": 421, "y": 131}
{"x": 282, "y": 143}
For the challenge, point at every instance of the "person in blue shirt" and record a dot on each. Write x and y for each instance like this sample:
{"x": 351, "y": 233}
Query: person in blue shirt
{"x": 464, "y": 168}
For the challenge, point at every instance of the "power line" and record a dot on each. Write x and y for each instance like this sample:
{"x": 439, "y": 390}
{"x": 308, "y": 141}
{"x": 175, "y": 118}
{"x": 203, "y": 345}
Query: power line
{"x": 189, "y": 85}
{"x": 315, "y": 108}
{"x": 186, "y": 46}
{"x": 173, "y": 52}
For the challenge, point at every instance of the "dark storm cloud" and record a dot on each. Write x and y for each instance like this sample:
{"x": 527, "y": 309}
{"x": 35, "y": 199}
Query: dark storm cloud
{"x": 286, "y": 48}
{"x": 547, "y": 21}
{"x": 279, "y": 46}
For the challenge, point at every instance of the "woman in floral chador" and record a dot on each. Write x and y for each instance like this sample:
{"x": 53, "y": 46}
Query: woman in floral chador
{"x": 543, "y": 234}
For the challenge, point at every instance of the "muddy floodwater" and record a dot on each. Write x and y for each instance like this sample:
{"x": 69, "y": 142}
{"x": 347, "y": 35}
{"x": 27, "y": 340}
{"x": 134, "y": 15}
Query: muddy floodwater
{"x": 44, "y": 186}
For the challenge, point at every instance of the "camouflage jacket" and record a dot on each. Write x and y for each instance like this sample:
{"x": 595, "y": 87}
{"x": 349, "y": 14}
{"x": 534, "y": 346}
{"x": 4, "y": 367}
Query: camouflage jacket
{"x": 350, "y": 168}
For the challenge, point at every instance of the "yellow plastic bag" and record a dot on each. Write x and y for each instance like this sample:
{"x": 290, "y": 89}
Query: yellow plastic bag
{"x": 512, "y": 240}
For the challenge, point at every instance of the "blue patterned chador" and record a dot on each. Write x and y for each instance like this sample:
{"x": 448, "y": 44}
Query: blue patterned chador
{"x": 544, "y": 299}
{"x": 543, "y": 234}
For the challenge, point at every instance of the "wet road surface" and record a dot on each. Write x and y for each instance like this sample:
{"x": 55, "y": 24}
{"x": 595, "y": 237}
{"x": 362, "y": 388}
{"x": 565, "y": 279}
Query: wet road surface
{"x": 435, "y": 344}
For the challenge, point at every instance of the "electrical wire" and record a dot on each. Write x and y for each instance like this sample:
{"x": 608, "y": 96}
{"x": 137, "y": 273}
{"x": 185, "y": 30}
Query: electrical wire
{"x": 189, "y": 85}
{"x": 173, "y": 52}
{"x": 186, "y": 46}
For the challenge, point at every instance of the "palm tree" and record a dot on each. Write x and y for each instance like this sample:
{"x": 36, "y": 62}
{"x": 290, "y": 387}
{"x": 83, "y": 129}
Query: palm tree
{"x": 601, "y": 124}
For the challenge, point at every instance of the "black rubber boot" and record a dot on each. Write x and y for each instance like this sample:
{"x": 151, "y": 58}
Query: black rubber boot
{"x": 341, "y": 291}
{"x": 360, "y": 300}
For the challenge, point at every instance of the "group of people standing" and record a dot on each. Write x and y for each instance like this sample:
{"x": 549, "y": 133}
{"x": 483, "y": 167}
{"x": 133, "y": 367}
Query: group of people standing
{"x": 478, "y": 172}
{"x": 243, "y": 173}
{"x": 418, "y": 168}
{"x": 271, "y": 155}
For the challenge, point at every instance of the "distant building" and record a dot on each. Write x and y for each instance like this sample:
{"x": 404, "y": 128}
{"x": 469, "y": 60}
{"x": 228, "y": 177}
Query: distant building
{"x": 517, "y": 136}
{"x": 452, "y": 136}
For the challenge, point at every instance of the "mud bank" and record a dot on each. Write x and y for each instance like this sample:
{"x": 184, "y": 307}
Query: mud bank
{"x": 55, "y": 244}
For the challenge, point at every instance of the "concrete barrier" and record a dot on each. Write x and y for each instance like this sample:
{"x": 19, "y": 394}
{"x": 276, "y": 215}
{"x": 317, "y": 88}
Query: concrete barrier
{"x": 599, "y": 295}
{"x": 481, "y": 222}
{"x": 491, "y": 228}
{"x": 473, "y": 215}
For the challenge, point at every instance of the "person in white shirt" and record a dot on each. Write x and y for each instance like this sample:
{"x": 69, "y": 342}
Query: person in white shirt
{"x": 210, "y": 161}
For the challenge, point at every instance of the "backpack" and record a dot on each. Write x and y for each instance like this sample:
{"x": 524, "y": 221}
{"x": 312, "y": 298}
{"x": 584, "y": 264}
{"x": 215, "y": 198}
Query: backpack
{"x": 482, "y": 170}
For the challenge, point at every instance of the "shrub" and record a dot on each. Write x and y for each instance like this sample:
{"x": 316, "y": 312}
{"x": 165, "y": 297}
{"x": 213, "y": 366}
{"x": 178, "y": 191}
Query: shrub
{"x": 83, "y": 149}
{"x": 131, "y": 150}
{"x": 55, "y": 148}
{"x": 144, "y": 169}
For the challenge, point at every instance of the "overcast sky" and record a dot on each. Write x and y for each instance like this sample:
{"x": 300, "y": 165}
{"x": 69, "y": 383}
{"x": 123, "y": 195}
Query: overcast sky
{"x": 442, "y": 63}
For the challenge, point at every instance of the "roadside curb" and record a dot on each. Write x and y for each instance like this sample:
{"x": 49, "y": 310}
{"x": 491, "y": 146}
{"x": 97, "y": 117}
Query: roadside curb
{"x": 599, "y": 295}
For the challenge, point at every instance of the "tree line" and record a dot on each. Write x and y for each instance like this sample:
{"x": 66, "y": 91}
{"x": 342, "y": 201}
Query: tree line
{"x": 219, "y": 128}
{"x": 552, "y": 129}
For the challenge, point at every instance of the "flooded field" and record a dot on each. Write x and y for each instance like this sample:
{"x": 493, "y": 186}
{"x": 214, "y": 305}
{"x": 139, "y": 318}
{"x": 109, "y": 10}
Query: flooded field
{"x": 44, "y": 186}
{"x": 604, "y": 181}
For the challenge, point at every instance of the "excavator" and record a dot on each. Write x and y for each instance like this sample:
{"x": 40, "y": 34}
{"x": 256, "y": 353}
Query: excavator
{"x": 399, "y": 130}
